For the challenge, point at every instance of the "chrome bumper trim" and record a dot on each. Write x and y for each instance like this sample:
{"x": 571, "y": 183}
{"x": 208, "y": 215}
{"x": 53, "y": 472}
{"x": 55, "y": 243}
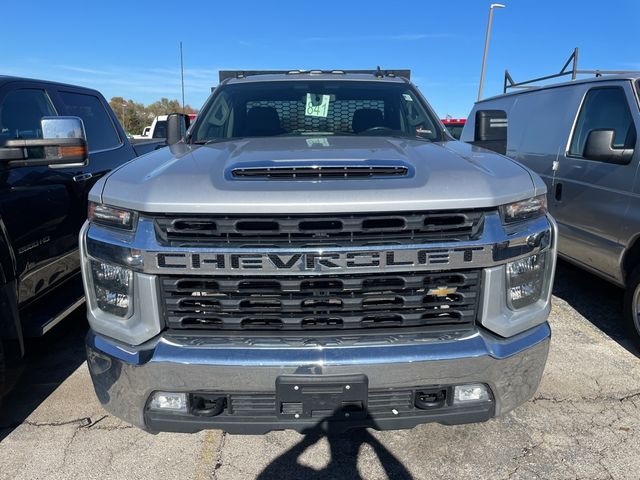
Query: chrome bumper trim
{"x": 124, "y": 377}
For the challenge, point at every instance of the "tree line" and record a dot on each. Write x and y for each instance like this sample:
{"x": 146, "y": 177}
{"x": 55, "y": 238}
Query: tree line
{"x": 134, "y": 116}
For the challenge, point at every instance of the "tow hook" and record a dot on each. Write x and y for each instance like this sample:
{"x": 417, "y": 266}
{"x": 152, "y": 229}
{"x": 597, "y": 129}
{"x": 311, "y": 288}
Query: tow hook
{"x": 428, "y": 399}
{"x": 207, "y": 406}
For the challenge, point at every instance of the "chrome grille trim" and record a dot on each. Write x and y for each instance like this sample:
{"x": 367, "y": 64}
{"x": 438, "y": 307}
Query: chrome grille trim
{"x": 141, "y": 251}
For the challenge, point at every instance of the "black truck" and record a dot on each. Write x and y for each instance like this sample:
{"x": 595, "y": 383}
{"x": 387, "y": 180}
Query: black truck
{"x": 44, "y": 184}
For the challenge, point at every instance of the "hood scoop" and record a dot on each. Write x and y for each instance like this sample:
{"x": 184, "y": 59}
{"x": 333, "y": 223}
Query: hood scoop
{"x": 322, "y": 170}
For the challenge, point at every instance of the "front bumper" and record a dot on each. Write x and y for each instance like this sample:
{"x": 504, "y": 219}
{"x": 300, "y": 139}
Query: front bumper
{"x": 125, "y": 377}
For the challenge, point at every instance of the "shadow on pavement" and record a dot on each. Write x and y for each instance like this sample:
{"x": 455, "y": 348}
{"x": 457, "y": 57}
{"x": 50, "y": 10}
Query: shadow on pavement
{"x": 345, "y": 448}
{"x": 597, "y": 300}
{"x": 48, "y": 362}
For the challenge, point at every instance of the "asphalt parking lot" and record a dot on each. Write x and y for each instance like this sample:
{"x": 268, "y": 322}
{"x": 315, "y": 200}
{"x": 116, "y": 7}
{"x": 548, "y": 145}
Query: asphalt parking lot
{"x": 584, "y": 421}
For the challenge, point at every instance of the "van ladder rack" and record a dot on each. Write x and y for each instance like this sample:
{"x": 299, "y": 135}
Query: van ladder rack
{"x": 574, "y": 72}
{"x": 378, "y": 73}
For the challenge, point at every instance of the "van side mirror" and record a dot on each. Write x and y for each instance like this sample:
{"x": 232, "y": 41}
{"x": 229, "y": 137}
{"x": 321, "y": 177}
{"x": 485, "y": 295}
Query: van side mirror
{"x": 491, "y": 130}
{"x": 177, "y": 125}
{"x": 599, "y": 146}
{"x": 63, "y": 144}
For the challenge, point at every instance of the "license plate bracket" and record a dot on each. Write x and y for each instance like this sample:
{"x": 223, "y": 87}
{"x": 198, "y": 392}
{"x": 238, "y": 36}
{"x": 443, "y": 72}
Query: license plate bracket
{"x": 322, "y": 396}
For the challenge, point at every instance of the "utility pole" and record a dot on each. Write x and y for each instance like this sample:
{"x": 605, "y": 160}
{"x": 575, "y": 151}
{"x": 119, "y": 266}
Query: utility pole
{"x": 486, "y": 46}
{"x": 182, "y": 76}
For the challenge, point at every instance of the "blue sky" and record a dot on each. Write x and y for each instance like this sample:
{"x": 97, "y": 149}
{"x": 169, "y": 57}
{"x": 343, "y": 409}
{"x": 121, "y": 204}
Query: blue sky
{"x": 131, "y": 48}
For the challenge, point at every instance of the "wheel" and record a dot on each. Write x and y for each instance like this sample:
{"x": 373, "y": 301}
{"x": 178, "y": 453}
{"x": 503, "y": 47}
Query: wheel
{"x": 632, "y": 306}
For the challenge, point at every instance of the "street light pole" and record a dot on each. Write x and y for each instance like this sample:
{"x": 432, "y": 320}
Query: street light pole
{"x": 486, "y": 46}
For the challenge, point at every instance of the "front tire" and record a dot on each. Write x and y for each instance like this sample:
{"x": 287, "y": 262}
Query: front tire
{"x": 632, "y": 306}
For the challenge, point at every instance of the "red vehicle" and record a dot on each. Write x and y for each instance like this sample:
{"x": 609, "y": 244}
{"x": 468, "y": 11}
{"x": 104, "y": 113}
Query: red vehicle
{"x": 454, "y": 125}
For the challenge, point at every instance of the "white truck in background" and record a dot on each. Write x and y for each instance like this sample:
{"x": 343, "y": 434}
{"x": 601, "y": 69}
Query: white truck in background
{"x": 158, "y": 129}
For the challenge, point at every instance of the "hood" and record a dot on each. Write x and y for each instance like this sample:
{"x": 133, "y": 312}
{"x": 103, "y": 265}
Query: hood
{"x": 198, "y": 179}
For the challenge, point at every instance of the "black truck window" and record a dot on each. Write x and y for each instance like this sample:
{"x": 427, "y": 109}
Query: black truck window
{"x": 604, "y": 108}
{"x": 21, "y": 112}
{"x": 101, "y": 134}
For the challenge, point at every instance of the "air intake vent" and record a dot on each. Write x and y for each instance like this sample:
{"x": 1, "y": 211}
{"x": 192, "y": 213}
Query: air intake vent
{"x": 316, "y": 172}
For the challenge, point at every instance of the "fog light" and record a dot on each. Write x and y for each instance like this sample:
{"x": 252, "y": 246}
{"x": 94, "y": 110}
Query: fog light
{"x": 525, "y": 280}
{"x": 470, "y": 393}
{"x": 175, "y": 402}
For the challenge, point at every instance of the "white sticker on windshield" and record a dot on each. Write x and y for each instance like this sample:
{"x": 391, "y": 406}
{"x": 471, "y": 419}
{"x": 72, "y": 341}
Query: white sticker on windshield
{"x": 407, "y": 97}
{"x": 317, "y": 105}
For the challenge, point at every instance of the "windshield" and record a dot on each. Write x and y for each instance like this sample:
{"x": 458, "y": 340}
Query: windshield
{"x": 314, "y": 108}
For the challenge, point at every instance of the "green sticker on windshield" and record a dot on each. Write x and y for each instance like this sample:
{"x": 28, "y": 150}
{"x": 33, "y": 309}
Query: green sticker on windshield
{"x": 317, "y": 105}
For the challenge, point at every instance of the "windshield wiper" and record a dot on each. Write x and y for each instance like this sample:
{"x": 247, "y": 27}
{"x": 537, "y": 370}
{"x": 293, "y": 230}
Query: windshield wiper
{"x": 214, "y": 140}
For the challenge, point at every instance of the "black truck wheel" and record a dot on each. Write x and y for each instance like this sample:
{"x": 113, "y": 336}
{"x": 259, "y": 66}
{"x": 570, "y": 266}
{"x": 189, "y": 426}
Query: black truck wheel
{"x": 632, "y": 306}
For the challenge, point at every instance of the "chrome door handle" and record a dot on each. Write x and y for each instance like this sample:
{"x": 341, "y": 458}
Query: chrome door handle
{"x": 82, "y": 177}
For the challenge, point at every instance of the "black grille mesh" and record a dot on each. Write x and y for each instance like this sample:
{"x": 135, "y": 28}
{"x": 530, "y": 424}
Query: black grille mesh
{"x": 320, "y": 230}
{"x": 339, "y": 117}
{"x": 331, "y": 302}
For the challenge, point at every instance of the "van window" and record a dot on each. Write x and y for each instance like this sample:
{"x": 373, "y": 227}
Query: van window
{"x": 101, "y": 134}
{"x": 21, "y": 112}
{"x": 604, "y": 108}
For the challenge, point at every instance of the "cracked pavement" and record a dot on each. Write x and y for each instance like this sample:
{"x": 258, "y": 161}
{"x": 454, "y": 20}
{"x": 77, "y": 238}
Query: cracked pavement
{"x": 584, "y": 422}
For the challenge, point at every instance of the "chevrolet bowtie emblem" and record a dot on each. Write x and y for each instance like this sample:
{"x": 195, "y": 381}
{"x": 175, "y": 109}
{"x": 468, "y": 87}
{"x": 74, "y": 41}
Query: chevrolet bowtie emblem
{"x": 442, "y": 291}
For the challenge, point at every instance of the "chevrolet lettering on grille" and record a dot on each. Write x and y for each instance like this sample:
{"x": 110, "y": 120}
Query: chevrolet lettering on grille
{"x": 318, "y": 262}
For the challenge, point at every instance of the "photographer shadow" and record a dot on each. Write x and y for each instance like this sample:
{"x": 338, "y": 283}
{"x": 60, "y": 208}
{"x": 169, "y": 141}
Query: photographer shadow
{"x": 344, "y": 451}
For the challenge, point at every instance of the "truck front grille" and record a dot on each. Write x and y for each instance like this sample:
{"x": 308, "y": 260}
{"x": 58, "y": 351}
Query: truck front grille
{"x": 320, "y": 230}
{"x": 328, "y": 302}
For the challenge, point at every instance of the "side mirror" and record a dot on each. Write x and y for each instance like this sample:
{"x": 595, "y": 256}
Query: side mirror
{"x": 599, "y": 146}
{"x": 177, "y": 125}
{"x": 63, "y": 144}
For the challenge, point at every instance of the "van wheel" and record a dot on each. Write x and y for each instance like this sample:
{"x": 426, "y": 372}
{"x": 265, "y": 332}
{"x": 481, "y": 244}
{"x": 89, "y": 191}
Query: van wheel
{"x": 632, "y": 306}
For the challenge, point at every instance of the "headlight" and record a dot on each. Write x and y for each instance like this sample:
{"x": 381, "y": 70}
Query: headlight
{"x": 112, "y": 288}
{"x": 111, "y": 216}
{"x": 524, "y": 209}
{"x": 525, "y": 280}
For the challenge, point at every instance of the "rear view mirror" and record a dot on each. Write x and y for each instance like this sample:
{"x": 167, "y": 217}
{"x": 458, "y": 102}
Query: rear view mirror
{"x": 177, "y": 125}
{"x": 599, "y": 146}
{"x": 63, "y": 144}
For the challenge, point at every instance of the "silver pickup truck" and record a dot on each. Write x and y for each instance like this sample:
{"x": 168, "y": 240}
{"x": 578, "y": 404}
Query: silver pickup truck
{"x": 316, "y": 250}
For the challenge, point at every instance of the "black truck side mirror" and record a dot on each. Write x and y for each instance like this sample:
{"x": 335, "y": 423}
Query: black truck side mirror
{"x": 599, "y": 146}
{"x": 63, "y": 144}
{"x": 177, "y": 125}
